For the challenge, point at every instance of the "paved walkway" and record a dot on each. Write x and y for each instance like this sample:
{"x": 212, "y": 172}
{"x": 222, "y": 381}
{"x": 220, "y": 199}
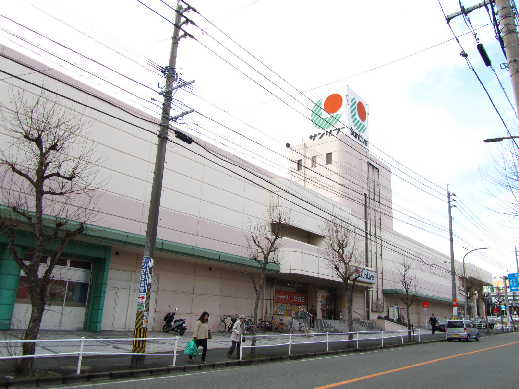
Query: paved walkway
{"x": 117, "y": 342}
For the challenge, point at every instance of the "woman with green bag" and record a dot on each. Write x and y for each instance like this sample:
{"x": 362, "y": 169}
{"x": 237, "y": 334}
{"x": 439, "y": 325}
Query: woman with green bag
{"x": 201, "y": 334}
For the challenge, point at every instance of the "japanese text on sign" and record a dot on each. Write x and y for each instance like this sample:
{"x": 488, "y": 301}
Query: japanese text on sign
{"x": 282, "y": 296}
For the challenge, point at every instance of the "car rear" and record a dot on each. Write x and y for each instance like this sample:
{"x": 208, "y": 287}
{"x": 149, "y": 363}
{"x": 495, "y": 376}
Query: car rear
{"x": 456, "y": 329}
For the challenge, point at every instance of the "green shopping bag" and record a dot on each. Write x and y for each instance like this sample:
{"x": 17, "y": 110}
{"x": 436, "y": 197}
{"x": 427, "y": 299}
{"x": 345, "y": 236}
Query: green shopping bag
{"x": 191, "y": 349}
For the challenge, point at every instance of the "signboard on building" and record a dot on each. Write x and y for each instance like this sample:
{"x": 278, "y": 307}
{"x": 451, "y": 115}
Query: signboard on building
{"x": 340, "y": 111}
{"x": 513, "y": 279}
{"x": 282, "y": 296}
{"x": 366, "y": 276}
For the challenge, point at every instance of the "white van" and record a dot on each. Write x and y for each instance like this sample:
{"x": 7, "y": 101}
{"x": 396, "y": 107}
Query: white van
{"x": 461, "y": 329}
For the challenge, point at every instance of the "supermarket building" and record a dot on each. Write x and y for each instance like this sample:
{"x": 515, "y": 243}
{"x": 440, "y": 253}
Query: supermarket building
{"x": 209, "y": 199}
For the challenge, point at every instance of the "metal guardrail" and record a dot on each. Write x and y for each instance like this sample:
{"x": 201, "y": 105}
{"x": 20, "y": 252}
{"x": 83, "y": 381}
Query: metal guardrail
{"x": 81, "y": 351}
{"x": 293, "y": 338}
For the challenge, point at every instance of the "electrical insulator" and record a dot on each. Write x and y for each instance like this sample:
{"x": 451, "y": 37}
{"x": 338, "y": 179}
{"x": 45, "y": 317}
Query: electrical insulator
{"x": 484, "y": 55}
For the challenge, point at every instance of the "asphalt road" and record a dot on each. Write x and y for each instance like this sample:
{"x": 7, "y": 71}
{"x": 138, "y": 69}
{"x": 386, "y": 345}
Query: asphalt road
{"x": 489, "y": 363}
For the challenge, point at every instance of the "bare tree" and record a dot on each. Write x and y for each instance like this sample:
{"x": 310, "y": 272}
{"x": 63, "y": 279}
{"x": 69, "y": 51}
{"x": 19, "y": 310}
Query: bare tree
{"x": 48, "y": 172}
{"x": 342, "y": 251}
{"x": 263, "y": 244}
{"x": 505, "y": 179}
{"x": 407, "y": 280}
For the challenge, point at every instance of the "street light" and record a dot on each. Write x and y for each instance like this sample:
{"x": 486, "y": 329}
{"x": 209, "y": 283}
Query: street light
{"x": 465, "y": 278}
{"x": 499, "y": 139}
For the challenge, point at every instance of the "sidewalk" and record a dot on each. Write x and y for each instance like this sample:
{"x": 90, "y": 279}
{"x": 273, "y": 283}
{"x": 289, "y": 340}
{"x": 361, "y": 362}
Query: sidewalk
{"x": 101, "y": 367}
{"x": 217, "y": 349}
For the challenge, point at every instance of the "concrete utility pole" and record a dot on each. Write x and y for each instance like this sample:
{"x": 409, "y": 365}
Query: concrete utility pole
{"x": 143, "y": 298}
{"x": 453, "y": 267}
{"x": 505, "y": 279}
{"x": 508, "y": 32}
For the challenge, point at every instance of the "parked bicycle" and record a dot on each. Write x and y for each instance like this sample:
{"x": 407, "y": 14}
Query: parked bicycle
{"x": 297, "y": 326}
{"x": 227, "y": 322}
{"x": 279, "y": 325}
{"x": 265, "y": 325}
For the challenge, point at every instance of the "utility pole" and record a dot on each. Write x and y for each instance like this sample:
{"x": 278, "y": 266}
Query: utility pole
{"x": 505, "y": 279}
{"x": 516, "y": 260}
{"x": 143, "y": 298}
{"x": 453, "y": 267}
{"x": 508, "y": 32}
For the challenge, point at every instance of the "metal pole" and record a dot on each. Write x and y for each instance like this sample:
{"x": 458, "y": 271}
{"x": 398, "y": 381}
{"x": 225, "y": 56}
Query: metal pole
{"x": 78, "y": 370}
{"x": 465, "y": 279}
{"x": 453, "y": 267}
{"x": 516, "y": 260}
{"x": 175, "y": 352}
{"x": 141, "y": 317}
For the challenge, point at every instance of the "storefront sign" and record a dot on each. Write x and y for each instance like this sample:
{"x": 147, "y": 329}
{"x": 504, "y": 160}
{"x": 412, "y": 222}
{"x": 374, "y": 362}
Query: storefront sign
{"x": 290, "y": 297}
{"x": 367, "y": 276}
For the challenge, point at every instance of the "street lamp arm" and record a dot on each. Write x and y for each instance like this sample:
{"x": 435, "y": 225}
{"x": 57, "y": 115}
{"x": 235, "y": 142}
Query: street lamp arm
{"x": 498, "y": 140}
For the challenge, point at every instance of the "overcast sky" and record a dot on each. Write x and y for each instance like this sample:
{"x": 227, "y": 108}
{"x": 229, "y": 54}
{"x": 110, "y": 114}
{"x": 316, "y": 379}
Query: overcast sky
{"x": 427, "y": 110}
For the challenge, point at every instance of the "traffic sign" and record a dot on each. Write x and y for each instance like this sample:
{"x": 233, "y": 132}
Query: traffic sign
{"x": 513, "y": 279}
{"x": 425, "y": 304}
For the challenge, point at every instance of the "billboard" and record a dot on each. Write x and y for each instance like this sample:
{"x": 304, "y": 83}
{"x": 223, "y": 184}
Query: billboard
{"x": 340, "y": 111}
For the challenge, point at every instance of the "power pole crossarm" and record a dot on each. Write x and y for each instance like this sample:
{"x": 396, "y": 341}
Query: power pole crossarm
{"x": 466, "y": 10}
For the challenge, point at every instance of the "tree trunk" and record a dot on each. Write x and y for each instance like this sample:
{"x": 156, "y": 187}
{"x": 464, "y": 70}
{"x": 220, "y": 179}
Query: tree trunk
{"x": 409, "y": 326}
{"x": 255, "y": 314}
{"x": 26, "y": 365}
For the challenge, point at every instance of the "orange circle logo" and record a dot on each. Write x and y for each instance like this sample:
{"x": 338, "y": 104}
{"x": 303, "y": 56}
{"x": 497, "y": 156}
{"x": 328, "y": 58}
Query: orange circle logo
{"x": 361, "y": 111}
{"x": 333, "y": 103}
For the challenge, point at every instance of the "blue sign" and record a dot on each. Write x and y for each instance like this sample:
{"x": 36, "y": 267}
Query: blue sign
{"x": 513, "y": 279}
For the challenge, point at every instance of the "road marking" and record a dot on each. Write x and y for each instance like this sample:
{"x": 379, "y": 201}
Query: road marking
{"x": 408, "y": 367}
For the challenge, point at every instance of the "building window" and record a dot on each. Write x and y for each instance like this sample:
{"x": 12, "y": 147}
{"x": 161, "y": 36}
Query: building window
{"x": 299, "y": 164}
{"x": 314, "y": 161}
{"x": 328, "y": 158}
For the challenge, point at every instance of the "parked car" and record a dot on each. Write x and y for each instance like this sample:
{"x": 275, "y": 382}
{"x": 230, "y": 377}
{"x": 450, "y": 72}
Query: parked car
{"x": 441, "y": 326}
{"x": 461, "y": 329}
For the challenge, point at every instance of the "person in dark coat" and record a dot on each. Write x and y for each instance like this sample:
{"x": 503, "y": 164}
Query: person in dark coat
{"x": 433, "y": 321}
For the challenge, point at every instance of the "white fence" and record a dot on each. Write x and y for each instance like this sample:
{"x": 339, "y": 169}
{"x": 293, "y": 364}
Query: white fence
{"x": 81, "y": 347}
{"x": 327, "y": 337}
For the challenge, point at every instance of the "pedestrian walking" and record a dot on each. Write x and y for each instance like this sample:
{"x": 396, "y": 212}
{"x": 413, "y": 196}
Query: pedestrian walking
{"x": 201, "y": 334}
{"x": 236, "y": 335}
{"x": 313, "y": 314}
{"x": 433, "y": 321}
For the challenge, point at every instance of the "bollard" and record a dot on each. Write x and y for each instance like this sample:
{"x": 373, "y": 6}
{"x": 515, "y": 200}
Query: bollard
{"x": 357, "y": 340}
{"x": 382, "y": 333}
{"x": 241, "y": 349}
{"x": 175, "y": 352}
{"x": 419, "y": 335}
{"x": 402, "y": 336}
{"x": 289, "y": 344}
{"x": 78, "y": 371}
{"x": 327, "y": 342}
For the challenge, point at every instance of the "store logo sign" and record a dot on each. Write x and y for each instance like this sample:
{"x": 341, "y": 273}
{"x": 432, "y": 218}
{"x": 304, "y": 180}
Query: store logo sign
{"x": 326, "y": 115}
